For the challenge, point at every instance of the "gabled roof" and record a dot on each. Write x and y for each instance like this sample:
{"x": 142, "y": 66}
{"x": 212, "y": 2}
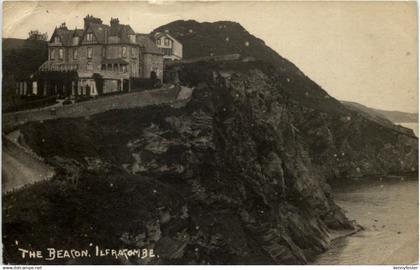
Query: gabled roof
{"x": 147, "y": 44}
{"x": 122, "y": 31}
{"x": 102, "y": 32}
{"x": 64, "y": 34}
{"x": 161, "y": 34}
{"x": 99, "y": 30}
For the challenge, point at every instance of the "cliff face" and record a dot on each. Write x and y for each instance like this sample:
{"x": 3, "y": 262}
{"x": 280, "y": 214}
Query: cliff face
{"x": 341, "y": 142}
{"x": 237, "y": 176}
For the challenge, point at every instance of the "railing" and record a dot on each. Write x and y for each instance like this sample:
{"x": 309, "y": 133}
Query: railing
{"x": 48, "y": 66}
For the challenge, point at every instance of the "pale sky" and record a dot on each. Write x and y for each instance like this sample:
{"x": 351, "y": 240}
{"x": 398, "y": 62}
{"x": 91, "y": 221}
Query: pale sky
{"x": 357, "y": 51}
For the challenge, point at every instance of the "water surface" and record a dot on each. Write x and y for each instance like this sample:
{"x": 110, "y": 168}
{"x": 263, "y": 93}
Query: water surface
{"x": 388, "y": 210}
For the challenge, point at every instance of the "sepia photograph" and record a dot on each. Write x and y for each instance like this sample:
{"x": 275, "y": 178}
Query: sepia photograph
{"x": 210, "y": 133}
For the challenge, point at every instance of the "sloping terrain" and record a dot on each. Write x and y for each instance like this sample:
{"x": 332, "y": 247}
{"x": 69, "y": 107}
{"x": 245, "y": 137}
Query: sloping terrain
{"x": 393, "y": 116}
{"x": 21, "y": 167}
{"x": 238, "y": 176}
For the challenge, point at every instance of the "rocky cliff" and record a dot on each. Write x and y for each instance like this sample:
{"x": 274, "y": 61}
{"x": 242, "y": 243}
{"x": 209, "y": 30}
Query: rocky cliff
{"x": 330, "y": 130}
{"x": 237, "y": 176}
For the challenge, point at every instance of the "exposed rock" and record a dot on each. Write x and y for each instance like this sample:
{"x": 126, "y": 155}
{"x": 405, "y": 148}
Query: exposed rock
{"x": 237, "y": 176}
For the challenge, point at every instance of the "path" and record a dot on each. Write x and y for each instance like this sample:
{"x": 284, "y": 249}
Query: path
{"x": 21, "y": 167}
{"x": 94, "y": 106}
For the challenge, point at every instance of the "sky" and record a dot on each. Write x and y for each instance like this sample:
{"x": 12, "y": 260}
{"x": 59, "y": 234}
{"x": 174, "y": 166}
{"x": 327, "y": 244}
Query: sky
{"x": 357, "y": 51}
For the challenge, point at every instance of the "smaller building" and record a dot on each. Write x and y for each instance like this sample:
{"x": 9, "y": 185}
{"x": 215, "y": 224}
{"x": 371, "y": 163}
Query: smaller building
{"x": 170, "y": 47}
{"x": 152, "y": 57}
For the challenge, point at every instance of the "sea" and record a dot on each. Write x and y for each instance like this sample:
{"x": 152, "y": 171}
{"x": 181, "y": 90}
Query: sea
{"x": 388, "y": 211}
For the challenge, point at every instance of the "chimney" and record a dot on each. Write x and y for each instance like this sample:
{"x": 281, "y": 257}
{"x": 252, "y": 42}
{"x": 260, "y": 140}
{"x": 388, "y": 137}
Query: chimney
{"x": 63, "y": 26}
{"x": 114, "y": 22}
{"x": 90, "y": 19}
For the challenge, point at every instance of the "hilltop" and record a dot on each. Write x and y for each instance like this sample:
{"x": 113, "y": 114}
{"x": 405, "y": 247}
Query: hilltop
{"x": 226, "y": 37}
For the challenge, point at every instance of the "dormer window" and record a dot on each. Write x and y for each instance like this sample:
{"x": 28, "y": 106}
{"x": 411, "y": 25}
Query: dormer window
{"x": 158, "y": 41}
{"x": 89, "y": 36}
{"x": 56, "y": 39}
{"x": 166, "y": 41}
{"x": 133, "y": 38}
{"x": 60, "y": 54}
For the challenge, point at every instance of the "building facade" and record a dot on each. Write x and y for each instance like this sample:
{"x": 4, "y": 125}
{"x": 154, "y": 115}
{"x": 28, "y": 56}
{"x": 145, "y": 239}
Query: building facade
{"x": 98, "y": 59}
{"x": 170, "y": 47}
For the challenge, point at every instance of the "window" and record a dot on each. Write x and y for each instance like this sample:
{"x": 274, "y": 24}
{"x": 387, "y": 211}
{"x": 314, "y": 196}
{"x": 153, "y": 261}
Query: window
{"x": 89, "y": 52}
{"x": 140, "y": 70}
{"x": 60, "y": 54}
{"x": 133, "y": 52}
{"x": 167, "y": 51}
{"x": 103, "y": 52}
{"x": 89, "y": 66}
{"x": 75, "y": 54}
{"x": 124, "y": 51}
{"x": 56, "y": 39}
{"x": 89, "y": 36}
{"x": 52, "y": 56}
{"x": 75, "y": 40}
{"x": 166, "y": 41}
{"x": 133, "y": 38}
{"x": 158, "y": 42}
{"x": 124, "y": 68}
{"x": 103, "y": 67}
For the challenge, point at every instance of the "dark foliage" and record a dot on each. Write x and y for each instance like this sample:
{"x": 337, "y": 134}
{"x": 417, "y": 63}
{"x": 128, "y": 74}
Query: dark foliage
{"x": 21, "y": 58}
